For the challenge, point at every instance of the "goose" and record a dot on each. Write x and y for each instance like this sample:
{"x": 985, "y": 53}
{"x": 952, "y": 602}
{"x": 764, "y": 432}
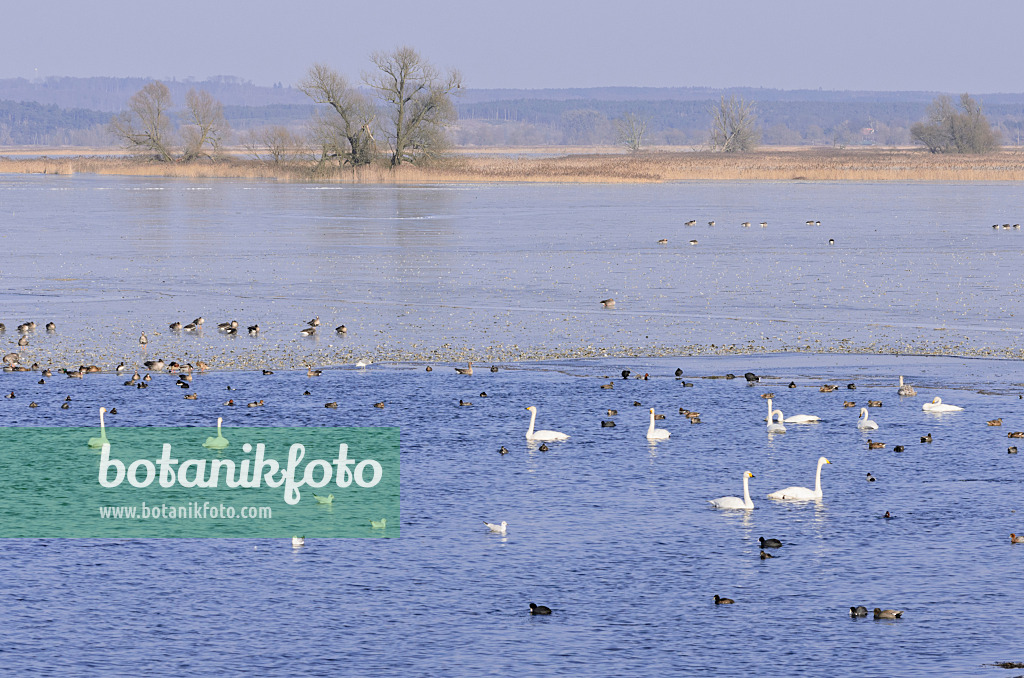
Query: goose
{"x": 608, "y": 303}
{"x": 541, "y": 435}
{"x": 499, "y": 528}
{"x": 936, "y": 405}
{"x": 341, "y": 329}
{"x": 888, "y": 614}
{"x": 656, "y": 433}
{"x": 691, "y": 222}
{"x": 465, "y": 370}
{"x": 723, "y": 601}
{"x": 143, "y": 340}
{"x": 795, "y": 419}
{"x": 770, "y": 543}
{"x": 175, "y": 326}
{"x": 736, "y": 502}
{"x": 329, "y": 499}
{"x": 774, "y": 427}
{"x": 51, "y": 326}
{"x": 254, "y": 330}
{"x": 539, "y": 609}
{"x": 232, "y": 325}
{"x": 313, "y": 373}
{"x": 199, "y": 321}
{"x": 863, "y": 422}
{"x": 120, "y": 368}
{"x": 191, "y": 327}
{"x": 315, "y": 322}
{"x": 218, "y": 443}
{"x": 663, "y": 241}
{"x": 307, "y": 331}
{"x": 23, "y": 341}
{"x": 905, "y": 389}
{"x": 156, "y": 365}
{"x": 803, "y": 493}
{"x": 102, "y": 440}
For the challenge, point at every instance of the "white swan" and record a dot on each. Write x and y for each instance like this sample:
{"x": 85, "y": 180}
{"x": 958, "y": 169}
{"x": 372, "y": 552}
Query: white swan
{"x": 863, "y": 422}
{"x": 218, "y": 443}
{"x": 905, "y": 389}
{"x": 656, "y": 433}
{"x": 936, "y": 405}
{"x": 802, "y": 493}
{"x": 541, "y": 435}
{"x": 102, "y": 440}
{"x": 736, "y": 502}
{"x": 776, "y": 427}
{"x": 298, "y": 542}
{"x": 795, "y": 419}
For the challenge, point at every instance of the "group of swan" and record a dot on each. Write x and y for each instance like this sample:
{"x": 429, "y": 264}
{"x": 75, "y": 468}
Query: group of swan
{"x": 652, "y": 433}
{"x": 786, "y": 494}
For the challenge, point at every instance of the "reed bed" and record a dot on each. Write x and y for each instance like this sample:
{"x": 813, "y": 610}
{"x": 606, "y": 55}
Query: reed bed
{"x": 655, "y": 166}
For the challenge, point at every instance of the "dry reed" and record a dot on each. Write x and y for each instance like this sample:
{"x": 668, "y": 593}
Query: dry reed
{"x": 764, "y": 165}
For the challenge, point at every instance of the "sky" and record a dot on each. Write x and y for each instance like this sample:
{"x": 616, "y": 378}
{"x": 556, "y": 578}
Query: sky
{"x": 935, "y": 45}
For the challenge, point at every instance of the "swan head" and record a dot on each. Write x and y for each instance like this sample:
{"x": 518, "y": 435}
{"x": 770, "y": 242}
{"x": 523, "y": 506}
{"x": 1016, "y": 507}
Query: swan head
{"x": 936, "y": 400}
{"x": 219, "y": 420}
{"x": 532, "y": 408}
{"x": 102, "y": 410}
{"x": 652, "y": 410}
{"x": 823, "y": 460}
{"x": 748, "y": 474}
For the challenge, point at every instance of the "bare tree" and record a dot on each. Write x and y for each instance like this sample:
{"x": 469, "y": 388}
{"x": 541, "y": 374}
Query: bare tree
{"x": 734, "y": 126}
{"x": 418, "y": 103}
{"x": 277, "y": 143}
{"x": 146, "y": 125}
{"x": 205, "y": 126}
{"x": 630, "y": 129}
{"x": 345, "y": 135}
{"x": 950, "y": 129}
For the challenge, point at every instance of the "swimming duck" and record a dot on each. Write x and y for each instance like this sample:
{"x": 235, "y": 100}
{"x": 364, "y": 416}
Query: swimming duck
{"x": 465, "y": 370}
{"x": 539, "y": 609}
{"x": 723, "y": 601}
{"x": 859, "y": 611}
{"x": 769, "y": 543}
{"x": 888, "y": 614}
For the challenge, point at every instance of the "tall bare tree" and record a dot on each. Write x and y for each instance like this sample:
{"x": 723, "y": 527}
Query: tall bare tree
{"x": 345, "y": 134}
{"x": 418, "y": 103}
{"x": 630, "y": 130}
{"x": 953, "y": 130}
{"x": 205, "y": 125}
{"x": 734, "y": 126}
{"x": 146, "y": 125}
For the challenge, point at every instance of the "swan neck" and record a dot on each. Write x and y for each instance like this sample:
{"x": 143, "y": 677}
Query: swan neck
{"x": 533, "y": 418}
{"x": 817, "y": 479}
{"x": 650, "y": 429}
{"x": 746, "y": 490}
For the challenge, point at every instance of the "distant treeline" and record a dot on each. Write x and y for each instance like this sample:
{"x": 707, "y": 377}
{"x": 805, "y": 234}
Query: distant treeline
{"x": 76, "y": 111}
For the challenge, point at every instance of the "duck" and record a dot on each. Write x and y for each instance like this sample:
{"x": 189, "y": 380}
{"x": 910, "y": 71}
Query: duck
{"x": 192, "y": 396}
{"x": 875, "y": 446}
{"x": 859, "y": 611}
{"x": 874, "y": 403}
{"x": 1012, "y": 434}
{"x": 313, "y": 373}
{"x": 1015, "y": 539}
{"x": 494, "y": 368}
{"x": 231, "y": 325}
{"x": 341, "y": 329}
{"x": 888, "y": 614}
{"x": 870, "y": 477}
{"x": 254, "y": 330}
{"x": 723, "y": 601}
{"x": 51, "y": 326}
{"x": 765, "y": 555}
{"x": 995, "y": 422}
{"x": 191, "y": 327}
{"x": 175, "y": 326}
{"x": 502, "y": 450}
{"x": 539, "y": 609}
{"x": 864, "y": 423}
{"x": 827, "y": 388}
{"x": 607, "y": 423}
{"x": 462, "y": 403}
{"x": 381, "y": 524}
{"x": 465, "y": 370}
{"x": 736, "y": 502}
{"x": 905, "y": 389}
{"x": 928, "y": 438}
{"x": 936, "y": 405}
{"x": 849, "y": 403}
{"x": 770, "y": 543}
{"x": 802, "y": 493}
{"x": 331, "y": 405}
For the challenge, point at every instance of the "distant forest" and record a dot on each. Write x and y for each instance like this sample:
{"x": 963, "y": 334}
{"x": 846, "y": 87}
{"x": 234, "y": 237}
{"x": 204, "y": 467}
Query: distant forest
{"x": 76, "y": 112}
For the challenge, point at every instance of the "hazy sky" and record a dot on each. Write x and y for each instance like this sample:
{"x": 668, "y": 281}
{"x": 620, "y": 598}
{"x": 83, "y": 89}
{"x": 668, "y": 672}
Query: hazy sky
{"x": 944, "y": 45}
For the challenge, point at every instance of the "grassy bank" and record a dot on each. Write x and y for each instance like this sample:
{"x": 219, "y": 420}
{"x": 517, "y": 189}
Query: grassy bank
{"x": 506, "y": 166}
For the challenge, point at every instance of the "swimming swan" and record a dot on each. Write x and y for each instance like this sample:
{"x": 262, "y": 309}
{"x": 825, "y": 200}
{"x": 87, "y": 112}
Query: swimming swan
{"x": 736, "y": 502}
{"x": 102, "y": 440}
{"x": 905, "y": 389}
{"x": 541, "y": 435}
{"x": 864, "y": 423}
{"x": 656, "y": 433}
{"x": 936, "y": 405}
{"x": 795, "y": 419}
{"x": 776, "y": 427}
{"x": 802, "y": 493}
{"x": 218, "y": 443}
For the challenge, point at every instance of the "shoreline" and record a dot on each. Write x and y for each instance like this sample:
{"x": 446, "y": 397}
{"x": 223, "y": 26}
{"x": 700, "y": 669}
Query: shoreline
{"x": 511, "y": 166}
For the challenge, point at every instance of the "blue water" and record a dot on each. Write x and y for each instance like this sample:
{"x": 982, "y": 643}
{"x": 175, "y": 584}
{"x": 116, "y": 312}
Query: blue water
{"x": 612, "y": 532}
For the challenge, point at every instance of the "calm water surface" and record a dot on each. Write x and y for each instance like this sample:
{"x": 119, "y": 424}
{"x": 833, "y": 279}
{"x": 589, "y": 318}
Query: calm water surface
{"x": 611, "y": 531}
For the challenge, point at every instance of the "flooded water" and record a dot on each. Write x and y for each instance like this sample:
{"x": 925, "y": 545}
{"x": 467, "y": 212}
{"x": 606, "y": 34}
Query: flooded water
{"x": 611, "y": 531}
